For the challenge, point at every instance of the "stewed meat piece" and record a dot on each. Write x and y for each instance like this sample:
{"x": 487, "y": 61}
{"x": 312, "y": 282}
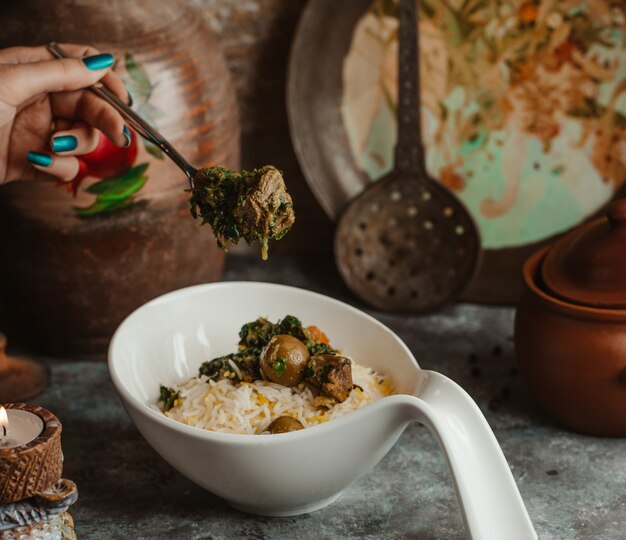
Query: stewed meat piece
{"x": 332, "y": 374}
{"x": 252, "y": 205}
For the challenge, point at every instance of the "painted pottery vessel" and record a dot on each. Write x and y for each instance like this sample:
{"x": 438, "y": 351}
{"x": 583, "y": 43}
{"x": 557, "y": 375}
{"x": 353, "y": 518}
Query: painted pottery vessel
{"x": 77, "y": 259}
{"x": 570, "y": 326}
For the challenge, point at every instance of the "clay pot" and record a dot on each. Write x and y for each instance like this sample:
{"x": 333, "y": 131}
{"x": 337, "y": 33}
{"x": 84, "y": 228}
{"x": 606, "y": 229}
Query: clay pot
{"x": 72, "y": 267}
{"x": 573, "y": 352}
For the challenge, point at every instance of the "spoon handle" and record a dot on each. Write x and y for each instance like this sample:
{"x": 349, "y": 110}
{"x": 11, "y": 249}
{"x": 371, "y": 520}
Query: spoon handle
{"x": 409, "y": 149}
{"x": 491, "y": 504}
{"x": 136, "y": 122}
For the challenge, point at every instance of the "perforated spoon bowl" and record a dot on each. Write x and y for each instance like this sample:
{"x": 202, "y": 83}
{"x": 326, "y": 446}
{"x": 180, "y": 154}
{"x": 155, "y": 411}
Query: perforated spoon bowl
{"x": 407, "y": 244}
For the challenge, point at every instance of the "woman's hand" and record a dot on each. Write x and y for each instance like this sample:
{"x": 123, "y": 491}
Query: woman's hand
{"x": 46, "y": 114}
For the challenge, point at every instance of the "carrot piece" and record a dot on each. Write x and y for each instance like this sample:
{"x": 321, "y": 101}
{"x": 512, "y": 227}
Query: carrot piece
{"x": 317, "y": 335}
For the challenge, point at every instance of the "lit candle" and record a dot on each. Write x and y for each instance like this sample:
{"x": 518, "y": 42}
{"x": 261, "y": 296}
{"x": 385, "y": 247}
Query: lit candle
{"x": 30, "y": 451}
{"x": 18, "y": 427}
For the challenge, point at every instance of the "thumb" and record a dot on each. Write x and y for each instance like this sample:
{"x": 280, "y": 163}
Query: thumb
{"x": 21, "y": 82}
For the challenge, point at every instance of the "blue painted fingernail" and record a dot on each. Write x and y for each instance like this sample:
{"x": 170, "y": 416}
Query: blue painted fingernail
{"x": 37, "y": 158}
{"x": 64, "y": 143}
{"x": 99, "y": 61}
{"x": 126, "y": 132}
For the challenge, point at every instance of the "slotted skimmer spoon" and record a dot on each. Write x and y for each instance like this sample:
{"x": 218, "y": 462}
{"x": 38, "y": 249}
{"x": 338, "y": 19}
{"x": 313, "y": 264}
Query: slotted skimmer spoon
{"x": 407, "y": 244}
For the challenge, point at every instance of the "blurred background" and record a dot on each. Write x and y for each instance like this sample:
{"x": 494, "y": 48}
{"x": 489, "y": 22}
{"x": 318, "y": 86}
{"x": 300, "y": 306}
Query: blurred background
{"x": 523, "y": 120}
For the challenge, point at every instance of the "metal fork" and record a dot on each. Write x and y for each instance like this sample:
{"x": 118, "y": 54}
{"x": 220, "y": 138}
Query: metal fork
{"x": 136, "y": 122}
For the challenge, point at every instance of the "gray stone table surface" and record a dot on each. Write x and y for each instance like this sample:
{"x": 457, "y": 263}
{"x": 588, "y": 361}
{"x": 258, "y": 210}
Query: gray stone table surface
{"x": 574, "y": 486}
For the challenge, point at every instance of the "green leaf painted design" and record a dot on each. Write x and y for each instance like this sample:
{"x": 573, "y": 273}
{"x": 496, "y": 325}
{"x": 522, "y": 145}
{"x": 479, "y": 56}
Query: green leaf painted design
{"x": 153, "y": 149}
{"x": 139, "y": 84}
{"x": 125, "y": 189}
{"x": 101, "y": 207}
{"x": 115, "y": 193}
{"x": 120, "y": 186}
{"x": 150, "y": 113}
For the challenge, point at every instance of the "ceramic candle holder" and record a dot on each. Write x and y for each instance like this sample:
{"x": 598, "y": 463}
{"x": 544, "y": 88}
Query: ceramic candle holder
{"x": 33, "y": 496}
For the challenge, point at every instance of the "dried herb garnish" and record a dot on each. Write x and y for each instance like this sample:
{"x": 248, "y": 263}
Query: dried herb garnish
{"x": 252, "y": 205}
{"x": 168, "y": 396}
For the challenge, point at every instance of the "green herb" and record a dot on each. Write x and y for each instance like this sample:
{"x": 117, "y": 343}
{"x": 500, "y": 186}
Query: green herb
{"x": 279, "y": 366}
{"x": 253, "y": 337}
{"x": 168, "y": 396}
{"x": 246, "y": 361}
{"x": 256, "y": 334}
{"x": 319, "y": 348}
{"x": 309, "y": 371}
{"x": 253, "y": 205}
{"x": 292, "y": 326}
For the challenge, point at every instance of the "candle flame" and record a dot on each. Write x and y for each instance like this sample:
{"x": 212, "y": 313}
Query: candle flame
{"x": 4, "y": 420}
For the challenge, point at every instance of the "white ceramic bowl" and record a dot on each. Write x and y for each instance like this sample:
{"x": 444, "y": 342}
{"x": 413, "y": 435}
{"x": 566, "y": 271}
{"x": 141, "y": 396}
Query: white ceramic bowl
{"x": 166, "y": 340}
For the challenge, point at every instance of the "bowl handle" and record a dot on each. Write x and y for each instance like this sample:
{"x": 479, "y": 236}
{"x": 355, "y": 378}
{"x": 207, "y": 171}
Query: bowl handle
{"x": 491, "y": 504}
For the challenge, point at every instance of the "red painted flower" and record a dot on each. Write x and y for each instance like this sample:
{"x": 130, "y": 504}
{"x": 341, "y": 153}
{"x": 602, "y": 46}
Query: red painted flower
{"x": 105, "y": 161}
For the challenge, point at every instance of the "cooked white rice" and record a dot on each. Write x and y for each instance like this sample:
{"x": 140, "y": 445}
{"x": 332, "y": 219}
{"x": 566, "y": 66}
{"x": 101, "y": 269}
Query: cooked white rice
{"x": 249, "y": 408}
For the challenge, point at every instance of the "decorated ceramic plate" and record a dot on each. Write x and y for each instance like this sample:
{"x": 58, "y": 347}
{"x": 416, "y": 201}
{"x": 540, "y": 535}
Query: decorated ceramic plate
{"x": 523, "y": 108}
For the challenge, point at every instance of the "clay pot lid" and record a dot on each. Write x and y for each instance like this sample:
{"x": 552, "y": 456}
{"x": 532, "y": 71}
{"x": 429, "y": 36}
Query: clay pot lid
{"x": 588, "y": 266}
